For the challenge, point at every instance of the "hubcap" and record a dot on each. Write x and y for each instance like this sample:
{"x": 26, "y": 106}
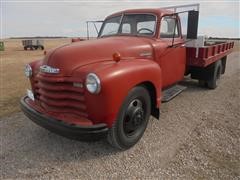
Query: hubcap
{"x": 134, "y": 117}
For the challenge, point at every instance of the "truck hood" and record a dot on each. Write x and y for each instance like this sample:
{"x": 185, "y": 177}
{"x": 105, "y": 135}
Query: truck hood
{"x": 69, "y": 57}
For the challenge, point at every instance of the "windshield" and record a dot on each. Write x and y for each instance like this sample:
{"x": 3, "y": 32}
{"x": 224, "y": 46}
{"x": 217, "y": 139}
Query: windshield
{"x": 129, "y": 24}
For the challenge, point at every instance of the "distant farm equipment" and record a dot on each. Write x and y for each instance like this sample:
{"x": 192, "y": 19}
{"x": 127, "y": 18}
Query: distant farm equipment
{"x": 33, "y": 44}
{"x": 1, "y": 46}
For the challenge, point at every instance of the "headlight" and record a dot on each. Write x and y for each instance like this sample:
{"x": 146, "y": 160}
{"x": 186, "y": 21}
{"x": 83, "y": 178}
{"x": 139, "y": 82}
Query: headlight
{"x": 28, "y": 70}
{"x": 93, "y": 83}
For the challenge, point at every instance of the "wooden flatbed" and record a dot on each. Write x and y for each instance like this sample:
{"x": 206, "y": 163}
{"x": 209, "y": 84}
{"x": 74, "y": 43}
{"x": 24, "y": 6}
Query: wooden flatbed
{"x": 204, "y": 56}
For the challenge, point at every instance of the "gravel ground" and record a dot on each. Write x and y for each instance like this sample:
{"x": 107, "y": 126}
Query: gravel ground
{"x": 197, "y": 137}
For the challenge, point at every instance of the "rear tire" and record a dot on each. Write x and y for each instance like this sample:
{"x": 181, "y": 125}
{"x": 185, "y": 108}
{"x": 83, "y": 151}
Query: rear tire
{"x": 132, "y": 119}
{"x": 214, "y": 81}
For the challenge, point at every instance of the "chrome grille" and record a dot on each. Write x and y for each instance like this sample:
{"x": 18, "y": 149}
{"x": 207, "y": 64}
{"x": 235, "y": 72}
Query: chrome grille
{"x": 59, "y": 95}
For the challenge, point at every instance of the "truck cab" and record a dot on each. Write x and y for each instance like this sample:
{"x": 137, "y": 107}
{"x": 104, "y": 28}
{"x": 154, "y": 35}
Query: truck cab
{"x": 109, "y": 87}
{"x": 156, "y": 28}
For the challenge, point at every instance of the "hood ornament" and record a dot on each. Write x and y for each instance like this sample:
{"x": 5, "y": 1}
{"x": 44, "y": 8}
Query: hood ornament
{"x": 49, "y": 69}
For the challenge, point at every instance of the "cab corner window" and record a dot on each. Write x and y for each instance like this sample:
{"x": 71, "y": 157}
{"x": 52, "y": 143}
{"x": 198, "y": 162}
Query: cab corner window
{"x": 169, "y": 25}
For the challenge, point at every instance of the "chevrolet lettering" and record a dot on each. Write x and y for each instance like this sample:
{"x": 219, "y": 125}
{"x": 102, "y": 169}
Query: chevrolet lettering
{"x": 49, "y": 69}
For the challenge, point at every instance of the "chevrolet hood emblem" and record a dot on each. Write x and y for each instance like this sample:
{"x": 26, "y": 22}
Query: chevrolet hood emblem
{"x": 49, "y": 69}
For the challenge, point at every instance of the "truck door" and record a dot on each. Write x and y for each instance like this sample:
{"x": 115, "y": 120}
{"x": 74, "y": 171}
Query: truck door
{"x": 171, "y": 59}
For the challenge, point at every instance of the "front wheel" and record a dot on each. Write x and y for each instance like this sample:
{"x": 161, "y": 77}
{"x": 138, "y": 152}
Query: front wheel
{"x": 132, "y": 119}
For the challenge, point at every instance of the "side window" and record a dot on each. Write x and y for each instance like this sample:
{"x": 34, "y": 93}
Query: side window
{"x": 126, "y": 28}
{"x": 168, "y": 24}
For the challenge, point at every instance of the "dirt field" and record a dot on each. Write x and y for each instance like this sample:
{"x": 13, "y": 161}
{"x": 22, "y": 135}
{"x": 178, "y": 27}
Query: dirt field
{"x": 13, "y": 80}
{"x": 197, "y": 136}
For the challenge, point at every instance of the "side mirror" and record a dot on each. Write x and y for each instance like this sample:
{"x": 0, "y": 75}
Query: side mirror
{"x": 192, "y": 26}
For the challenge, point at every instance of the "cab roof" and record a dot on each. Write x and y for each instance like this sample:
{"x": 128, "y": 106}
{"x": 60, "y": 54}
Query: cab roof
{"x": 156, "y": 11}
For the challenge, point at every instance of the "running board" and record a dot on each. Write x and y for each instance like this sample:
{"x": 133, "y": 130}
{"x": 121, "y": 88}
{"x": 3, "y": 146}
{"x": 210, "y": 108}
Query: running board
{"x": 172, "y": 92}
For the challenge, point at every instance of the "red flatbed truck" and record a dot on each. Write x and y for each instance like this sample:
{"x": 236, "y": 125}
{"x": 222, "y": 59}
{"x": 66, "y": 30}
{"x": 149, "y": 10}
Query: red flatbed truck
{"x": 109, "y": 87}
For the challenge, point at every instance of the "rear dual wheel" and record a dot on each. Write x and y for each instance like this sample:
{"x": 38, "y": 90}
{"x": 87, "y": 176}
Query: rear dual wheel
{"x": 213, "y": 81}
{"x": 132, "y": 119}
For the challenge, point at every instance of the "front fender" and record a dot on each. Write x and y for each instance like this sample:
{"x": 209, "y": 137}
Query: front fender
{"x": 117, "y": 79}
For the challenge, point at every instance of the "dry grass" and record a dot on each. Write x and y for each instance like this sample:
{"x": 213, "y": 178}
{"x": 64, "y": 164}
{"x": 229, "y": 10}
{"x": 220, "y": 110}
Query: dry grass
{"x": 236, "y": 46}
{"x": 13, "y": 83}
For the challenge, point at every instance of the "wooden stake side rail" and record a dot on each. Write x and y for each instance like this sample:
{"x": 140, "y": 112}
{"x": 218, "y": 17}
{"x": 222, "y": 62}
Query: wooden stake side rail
{"x": 204, "y": 56}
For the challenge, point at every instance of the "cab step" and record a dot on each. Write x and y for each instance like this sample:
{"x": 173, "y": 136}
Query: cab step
{"x": 172, "y": 92}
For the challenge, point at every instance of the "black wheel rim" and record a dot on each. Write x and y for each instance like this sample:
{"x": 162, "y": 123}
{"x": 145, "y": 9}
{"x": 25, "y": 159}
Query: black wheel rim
{"x": 134, "y": 117}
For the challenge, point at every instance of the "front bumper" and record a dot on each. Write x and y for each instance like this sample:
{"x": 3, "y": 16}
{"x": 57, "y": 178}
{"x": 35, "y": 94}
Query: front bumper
{"x": 84, "y": 133}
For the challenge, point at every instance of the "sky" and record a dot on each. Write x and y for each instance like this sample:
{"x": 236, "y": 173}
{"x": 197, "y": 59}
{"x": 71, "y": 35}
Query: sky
{"x": 68, "y": 18}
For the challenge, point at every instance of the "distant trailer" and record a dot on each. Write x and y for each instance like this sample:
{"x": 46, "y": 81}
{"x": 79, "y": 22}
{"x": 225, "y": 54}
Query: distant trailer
{"x": 33, "y": 44}
{"x": 1, "y": 46}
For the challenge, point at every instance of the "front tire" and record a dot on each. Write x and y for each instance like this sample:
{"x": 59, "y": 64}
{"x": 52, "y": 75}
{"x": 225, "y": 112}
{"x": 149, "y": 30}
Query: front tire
{"x": 132, "y": 119}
